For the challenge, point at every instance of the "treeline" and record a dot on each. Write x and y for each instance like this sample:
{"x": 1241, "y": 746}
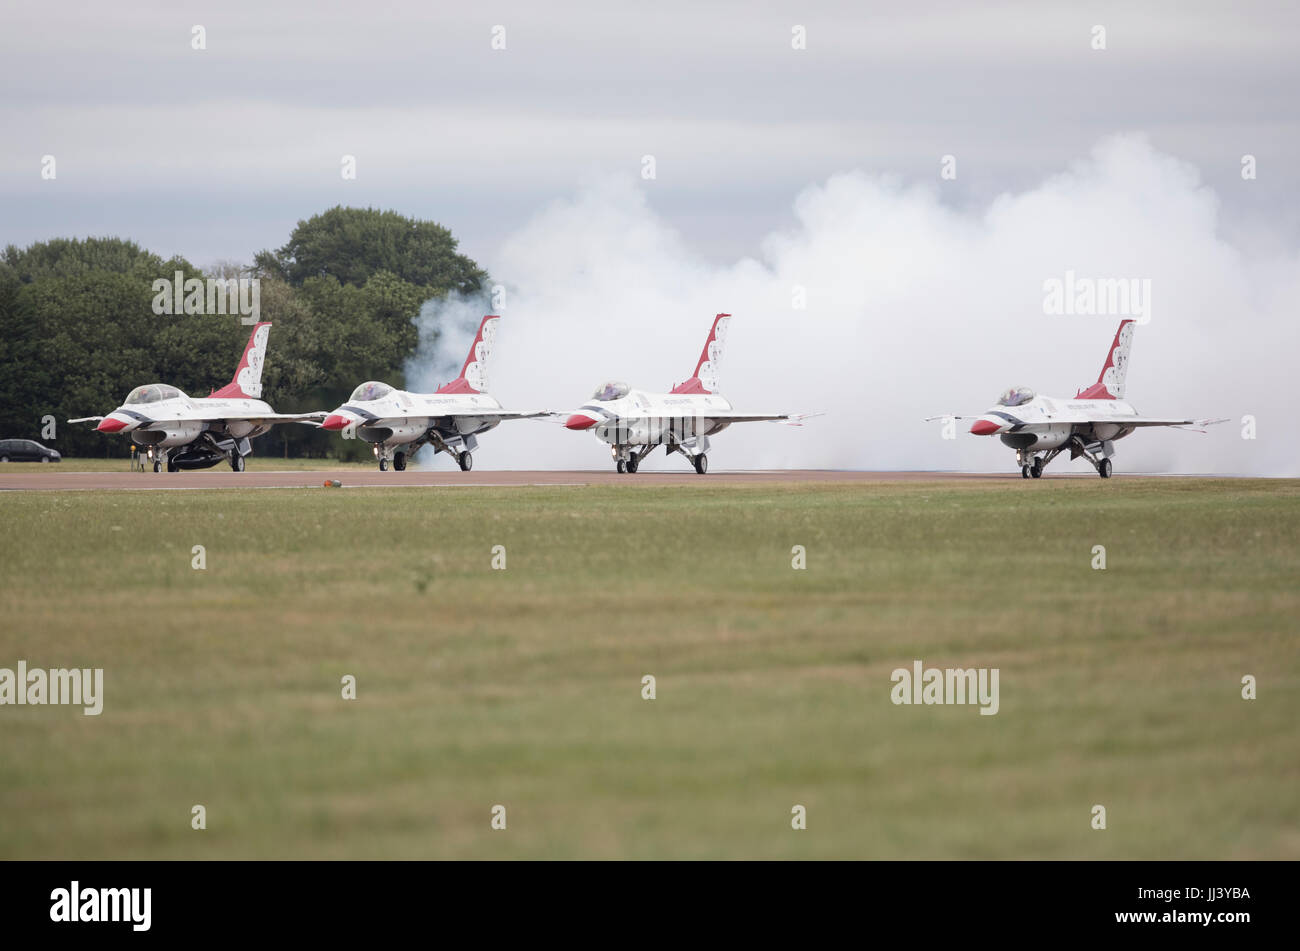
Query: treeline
{"x": 78, "y": 329}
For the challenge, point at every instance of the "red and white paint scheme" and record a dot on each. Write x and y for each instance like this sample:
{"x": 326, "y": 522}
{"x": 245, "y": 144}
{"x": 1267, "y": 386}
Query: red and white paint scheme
{"x": 449, "y": 419}
{"x": 633, "y": 422}
{"x": 184, "y": 432}
{"x": 1039, "y": 428}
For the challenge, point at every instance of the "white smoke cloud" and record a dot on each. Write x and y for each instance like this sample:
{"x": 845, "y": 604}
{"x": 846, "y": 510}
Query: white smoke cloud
{"x": 914, "y": 308}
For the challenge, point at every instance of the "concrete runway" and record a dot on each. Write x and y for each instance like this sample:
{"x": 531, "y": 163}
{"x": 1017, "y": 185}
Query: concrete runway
{"x": 30, "y": 477}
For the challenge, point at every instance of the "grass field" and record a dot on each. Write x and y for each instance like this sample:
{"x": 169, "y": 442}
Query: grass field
{"x": 522, "y": 687}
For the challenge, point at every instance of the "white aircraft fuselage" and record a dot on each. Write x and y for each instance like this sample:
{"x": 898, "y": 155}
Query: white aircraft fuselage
{"x": 1047, "y": 422}
{"x": 399, "y": 418}
{"x": 178, "y": 421}
{"x": 652, "y": 419}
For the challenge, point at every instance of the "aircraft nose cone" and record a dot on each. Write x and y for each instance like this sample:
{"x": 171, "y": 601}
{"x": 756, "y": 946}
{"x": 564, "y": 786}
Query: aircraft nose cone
{"x": 579, "y": 421}
{"x": 110, "y": 424}
{"x": 985, "y": 427}
{"x": 334, "y": 422}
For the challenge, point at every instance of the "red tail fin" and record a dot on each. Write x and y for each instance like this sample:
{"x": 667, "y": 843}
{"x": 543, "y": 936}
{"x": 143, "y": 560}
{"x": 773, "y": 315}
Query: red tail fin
{"x": 473, "y": 376}
{"x": 1111, "y": 384}
{"x": 247, "y": 381}
{"x": 705, "y": 377}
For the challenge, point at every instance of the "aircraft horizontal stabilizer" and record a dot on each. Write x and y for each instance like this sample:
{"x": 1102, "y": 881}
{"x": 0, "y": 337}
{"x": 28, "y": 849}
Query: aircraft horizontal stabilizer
{"x": 796, "y": 419}
{"x": 1199, "y": 425}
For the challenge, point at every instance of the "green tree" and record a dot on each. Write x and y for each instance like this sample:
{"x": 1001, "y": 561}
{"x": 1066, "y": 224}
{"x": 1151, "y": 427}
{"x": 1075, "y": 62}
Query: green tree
{"x": 354, "y": 244}
{"x": 78, "y": 331}
{"x": 71, "y": 257}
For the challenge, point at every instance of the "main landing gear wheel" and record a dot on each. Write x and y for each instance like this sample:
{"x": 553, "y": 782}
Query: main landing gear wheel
{"x": 1036, "y": 470}
{"x": 399, "y": 461}
{"x": 171, "y": 466}
{"x": 1103, "y": 468}
{"x": 237, "y": 462}
{"x": 466, "y": 461}
{"x": 383, "y": 464}
{"x": 621, "y": 466}
{"x": 632, "y": 464}
{"x": 701, "y": 463}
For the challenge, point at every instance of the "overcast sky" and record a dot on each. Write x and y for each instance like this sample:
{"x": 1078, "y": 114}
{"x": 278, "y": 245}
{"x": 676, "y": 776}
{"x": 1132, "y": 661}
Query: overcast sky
{"x": 775, "y": 167}
{"x": 216, "y": 153}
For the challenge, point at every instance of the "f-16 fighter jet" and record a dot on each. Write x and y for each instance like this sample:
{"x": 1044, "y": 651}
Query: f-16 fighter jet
{"x": 184, "y": 432}
{"x": 398, "y": 423}
{"x": 1039, "y": 428}
{"x": 633, "y": 422}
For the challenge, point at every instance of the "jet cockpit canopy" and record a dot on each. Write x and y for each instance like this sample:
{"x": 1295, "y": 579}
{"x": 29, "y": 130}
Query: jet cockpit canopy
{"x": 368, "y": 391}
{"x": 1015, "y": 396}
{"x": 152, "y": 393}
{"x": 610, "y": 391}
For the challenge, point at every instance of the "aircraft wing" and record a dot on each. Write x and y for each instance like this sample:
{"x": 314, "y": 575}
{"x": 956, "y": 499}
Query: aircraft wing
{"x": 789, "y": 419}
{"x": 509, "y": 414}
{"x": 311, "y": 419}
{"x": 1197, "y": 424}
{"x": 1081, "y": 419}
{"x": 1084, "y": 419}
{"x": 730, "y": 416}
{"x": 457, "y": 413}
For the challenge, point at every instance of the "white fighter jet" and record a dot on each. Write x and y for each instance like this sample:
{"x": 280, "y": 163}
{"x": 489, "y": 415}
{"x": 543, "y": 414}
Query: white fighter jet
{"x": 184, "y": 432}
{"x": 633, "y": 422}
{"x": 1039, "y": 428}
{"x": 449, "y": 419}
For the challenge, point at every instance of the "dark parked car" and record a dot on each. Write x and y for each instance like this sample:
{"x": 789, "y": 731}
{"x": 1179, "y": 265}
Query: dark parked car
{"x": 24, "y": 450}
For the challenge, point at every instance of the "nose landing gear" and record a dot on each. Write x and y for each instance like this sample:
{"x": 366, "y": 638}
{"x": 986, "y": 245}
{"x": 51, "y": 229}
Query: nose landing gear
{"x": 1031, "y": 467}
